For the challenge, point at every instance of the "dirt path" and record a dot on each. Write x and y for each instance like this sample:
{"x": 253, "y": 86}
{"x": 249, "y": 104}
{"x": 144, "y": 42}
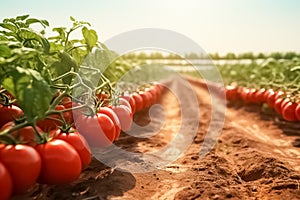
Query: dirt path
{"x": 253, "y": 159}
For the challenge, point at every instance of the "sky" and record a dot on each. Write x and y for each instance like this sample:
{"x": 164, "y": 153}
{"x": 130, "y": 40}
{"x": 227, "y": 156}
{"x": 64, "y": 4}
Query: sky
{"x": 216, "y": 25}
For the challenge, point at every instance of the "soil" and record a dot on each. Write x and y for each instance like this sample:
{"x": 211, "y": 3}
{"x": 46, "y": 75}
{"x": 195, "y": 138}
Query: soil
{"x": 257, "y": 156}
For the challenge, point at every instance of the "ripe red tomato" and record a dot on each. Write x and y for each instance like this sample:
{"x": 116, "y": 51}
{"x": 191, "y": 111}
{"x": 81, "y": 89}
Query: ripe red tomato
{"x": 65, "y": 100}
{"x": 277, "y": 105}
{"x": 284, "y": 102}
{"x": 146, "y": 99}
{"x": 131, "y": 101}
{"x": 124, "y": 115}
{"x": 151, "y": 96}
{"x": 259, "y": 95}
{"x": 49, "y": 124}
{"x": 78, "y": 142}
{"x": 5, "y": 183}
{"x": 267, "y": 94}
{"x": 231, "y": 93}
{"x": 61, "y": 163}
{"x": 244, "y": 94}
{"x": 124, "y": 102}
{"x": 297, "y": 112}
{"x": 98, "y": 130}
{"x": 288, "y": 112}
{"x": 138, "y": 101}
{"x": 113, "y": 116}
{"x": 271, "y": 99}
{"x": 9, "y": 113}
{"x": 24, "y": 135}
{"x": 24, "y": 165}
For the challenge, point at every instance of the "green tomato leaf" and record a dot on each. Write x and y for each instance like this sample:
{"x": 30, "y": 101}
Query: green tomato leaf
{"x": 72, "y": 19}
{"x": 31, "y": 90}
{"x": 28, "y": 34}
{"x": 4, "y": 50}
{"x": 22, "y": 17}
{"x": 90, "y": 37}
{"x": 9, "y": 26}
{"x": 30, "y": 21}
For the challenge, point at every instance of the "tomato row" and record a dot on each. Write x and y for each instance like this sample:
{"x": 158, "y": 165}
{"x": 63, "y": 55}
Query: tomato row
{"x": 50, "y": 153}
{"x": 104, "y": 127}
{"x": 284, "y": 104}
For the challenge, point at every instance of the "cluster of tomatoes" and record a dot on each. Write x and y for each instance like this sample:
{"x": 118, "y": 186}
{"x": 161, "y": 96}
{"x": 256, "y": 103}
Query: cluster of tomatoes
{"x": 283, "y": 103}
{"x": 55, "y": 150}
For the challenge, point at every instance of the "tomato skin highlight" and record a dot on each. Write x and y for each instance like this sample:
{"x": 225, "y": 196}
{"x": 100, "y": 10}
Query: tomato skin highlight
{"x": 24, "y": 165}
{"x": 61, "y": 163}
{"x": 98, "y": 130}
{"x": 78, "y": 142}
{"x": 113, "y": 116}
{"x": 289, "y": 112}
{"x": 9, "y": 113}
{"x": 5, "y": 183}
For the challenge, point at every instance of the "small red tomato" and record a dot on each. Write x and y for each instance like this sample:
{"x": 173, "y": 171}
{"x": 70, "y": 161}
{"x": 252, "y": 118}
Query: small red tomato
{"x": 78, "y": 142}
{"x": 289, "y": 112}
{"x": 24, "y": 135}
{"x": 124, "y": 102}
{"x": 113, "y": 116}
{"x": 271, "y": 99}
{"x": 131, "y": 101}
{"x": 24, "y": 165}
{"x": 49, "y": 124}
{"x": 5, "y": 183}
{"x": 9, "y": 113}
{"x": 124, "y": 115}
{"x": 98, "y": 130}
{"x": 277, "y": 105}
{"x": 244, "y": 94}
{"x": 146, "y": 99}
{"x": 284, "y": 102}
{"x": 267, "y": 94}
{"x": 138, "y": 101}
{"x": 260, "y": 95}
{"x": 231, "y": 93}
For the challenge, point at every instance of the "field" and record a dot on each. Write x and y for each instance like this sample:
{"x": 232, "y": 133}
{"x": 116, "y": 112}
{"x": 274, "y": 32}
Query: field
{"x": 83, "y": 122}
